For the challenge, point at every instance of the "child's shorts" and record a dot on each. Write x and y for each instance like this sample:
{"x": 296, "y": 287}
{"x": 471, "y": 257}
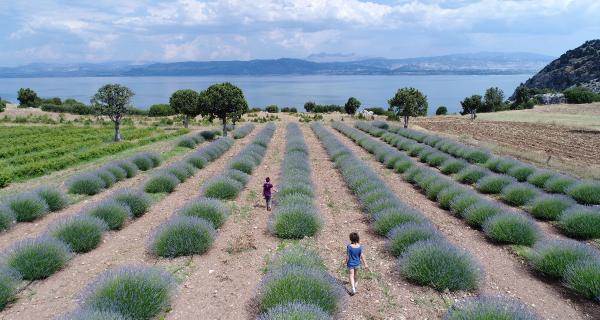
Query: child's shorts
{"x": 268, "y": 201}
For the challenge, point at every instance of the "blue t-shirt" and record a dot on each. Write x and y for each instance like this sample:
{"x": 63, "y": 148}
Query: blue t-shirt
{"x": 353, "y": 256}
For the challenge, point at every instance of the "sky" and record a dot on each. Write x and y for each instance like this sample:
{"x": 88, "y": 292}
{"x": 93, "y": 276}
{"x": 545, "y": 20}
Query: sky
{"x": 75, "y": 31}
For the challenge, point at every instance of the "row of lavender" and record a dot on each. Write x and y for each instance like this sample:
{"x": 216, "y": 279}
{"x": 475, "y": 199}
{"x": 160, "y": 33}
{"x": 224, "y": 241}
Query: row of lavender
{"x": 297, "y": 284}
{"x": 585, "y": 192}
{"x": 576, "y": 264}
{"x": 139, "y": 292}
{"x": 38, "y": 258}
{"x": 574, "y": 220}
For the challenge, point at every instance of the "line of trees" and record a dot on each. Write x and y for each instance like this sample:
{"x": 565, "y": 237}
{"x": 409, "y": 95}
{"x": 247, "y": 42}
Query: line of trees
{"x": 492, "y": 101}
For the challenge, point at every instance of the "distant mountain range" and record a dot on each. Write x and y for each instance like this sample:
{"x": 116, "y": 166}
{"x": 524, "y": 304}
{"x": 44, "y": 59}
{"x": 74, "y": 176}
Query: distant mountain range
{"x": 320, "y": 64}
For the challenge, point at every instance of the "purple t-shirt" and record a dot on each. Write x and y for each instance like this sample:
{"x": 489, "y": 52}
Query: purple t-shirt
{"x": 267, "y": 189}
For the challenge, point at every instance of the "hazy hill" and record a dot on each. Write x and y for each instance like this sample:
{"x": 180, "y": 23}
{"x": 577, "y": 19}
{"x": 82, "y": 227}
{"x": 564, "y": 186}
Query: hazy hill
{"x": 476, "y": 63}
{"x": 578, "y": 66}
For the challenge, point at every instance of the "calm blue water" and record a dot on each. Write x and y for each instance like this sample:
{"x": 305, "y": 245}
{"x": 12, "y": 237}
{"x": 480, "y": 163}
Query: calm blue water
{"x": 292, "y": 91}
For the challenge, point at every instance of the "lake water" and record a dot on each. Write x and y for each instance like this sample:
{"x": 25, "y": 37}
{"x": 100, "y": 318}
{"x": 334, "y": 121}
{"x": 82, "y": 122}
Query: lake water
{"x": 291, "y": 91}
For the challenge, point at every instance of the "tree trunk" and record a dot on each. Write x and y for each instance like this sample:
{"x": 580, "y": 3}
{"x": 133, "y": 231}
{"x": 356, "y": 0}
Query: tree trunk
{"x": 473, "y": 116}
{"x": 117, "y": 131}
{"x": 405, "y": 121}
{"x": 185, "y": 121}
{"x": 224, "y": 126}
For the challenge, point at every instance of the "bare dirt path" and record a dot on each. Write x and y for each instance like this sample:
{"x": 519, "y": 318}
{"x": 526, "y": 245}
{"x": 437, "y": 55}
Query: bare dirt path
{"x": 224, "y": 279}
{"x": 504, "y": 272}
{"x": 383, "y": 294}
{"x": 23, "y": 230}
{"x": 59, "y": 293}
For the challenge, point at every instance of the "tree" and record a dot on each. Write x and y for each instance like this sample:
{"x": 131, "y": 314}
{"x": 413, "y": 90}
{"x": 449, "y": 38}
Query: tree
{"x": 408, "y": 102}
{"x": 112, "y": 100}
{"x": 522, "y": 95}
{"x": 222, "y": 101}
{"x": 310, "y": 106}
{"x": 272, "y": 109}
{"x": 28, "y": 98}
{"x": 581, "y": 95}
{"x": 351, "y": 105}
{"x": 160, "y": 110}
{"x": 185, "y": 102}
{"x": 493, "y": 100}
{"x": 441, "y": 111}
{"x": 471, "y": 105}
{"x": 2, "y": 105}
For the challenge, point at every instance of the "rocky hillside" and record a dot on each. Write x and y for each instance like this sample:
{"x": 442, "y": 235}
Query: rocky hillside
{"x": 580, "y": 66}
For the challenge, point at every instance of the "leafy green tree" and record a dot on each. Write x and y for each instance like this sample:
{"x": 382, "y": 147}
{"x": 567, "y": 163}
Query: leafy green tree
{"x": 351, "y": 105}
{"x": 185, "y": 102}
{"x": 471, "y": 105}
{"x": 522, "y": 96}
{"x": 2, "y": 104}
{"x": 27, "y": 98}
{"x": 160, "y": 110}
{"x": 493, "y": 100}
{"x": 441, "y": 111}
{"x": 112, "y": 101}
{"x": 408, "y": 102}
{"x": 310, "y": 106}
{"x": 272, "y": 109}
{"x": 581, "y": 95}
{"x": 222, "y": 101}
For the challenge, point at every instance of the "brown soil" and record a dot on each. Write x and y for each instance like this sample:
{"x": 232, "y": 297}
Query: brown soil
{"x": 223, "y": 281}
{"x": 382, "y": 294}
{"x": 504, "y": 273}
{"x": 60, "y": 292}
{"x": 568, "y": 144}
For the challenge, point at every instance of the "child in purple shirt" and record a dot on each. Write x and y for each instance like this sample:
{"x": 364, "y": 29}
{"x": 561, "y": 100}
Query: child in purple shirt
{"x": 267, "y": 192}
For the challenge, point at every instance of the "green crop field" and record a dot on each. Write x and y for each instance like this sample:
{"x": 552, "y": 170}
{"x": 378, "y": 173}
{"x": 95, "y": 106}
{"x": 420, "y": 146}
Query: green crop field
{"x": 27, "y": 152}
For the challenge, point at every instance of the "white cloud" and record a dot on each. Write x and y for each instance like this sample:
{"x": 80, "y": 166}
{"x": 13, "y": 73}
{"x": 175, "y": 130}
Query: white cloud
{"x": 240, "y": 29}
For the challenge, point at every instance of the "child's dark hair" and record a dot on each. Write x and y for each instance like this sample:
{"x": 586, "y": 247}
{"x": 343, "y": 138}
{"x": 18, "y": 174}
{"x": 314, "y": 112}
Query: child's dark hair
{"x": 354, "y": 238}
{"x": 268, "y": 179}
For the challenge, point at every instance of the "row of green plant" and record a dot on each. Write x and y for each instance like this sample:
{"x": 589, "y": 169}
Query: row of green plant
{"x": 490, "y": 307}
{"x": 167, "y": 179}
{"x": 192, "y": 229}
{"x": 12, "y": 146}
{"x": 29, "y": 206}
{"x": 585, "y": 192}
{"x": 575, "y": 263}
{"x": 96, "y": 180}
{"x": 138, "y": 292}
{"x": 297, "y": 286}
{"x": 60, "y": 147}
{"x": 574, "y": 220}
{"x": 192, "y": 140}
{"x": 45, "y": 166}
{"x": 425, "y": 256}
{"x": 229, "y": 184}
{"x": 243, "y": 131}
{"x": 295, "y": 216}
{"x": 40, "y": 257}
{"x": 126, "y": 292}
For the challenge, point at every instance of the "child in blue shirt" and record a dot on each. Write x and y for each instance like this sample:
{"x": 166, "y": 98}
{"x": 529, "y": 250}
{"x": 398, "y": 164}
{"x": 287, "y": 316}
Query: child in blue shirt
{"x": 354, "y": 256}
